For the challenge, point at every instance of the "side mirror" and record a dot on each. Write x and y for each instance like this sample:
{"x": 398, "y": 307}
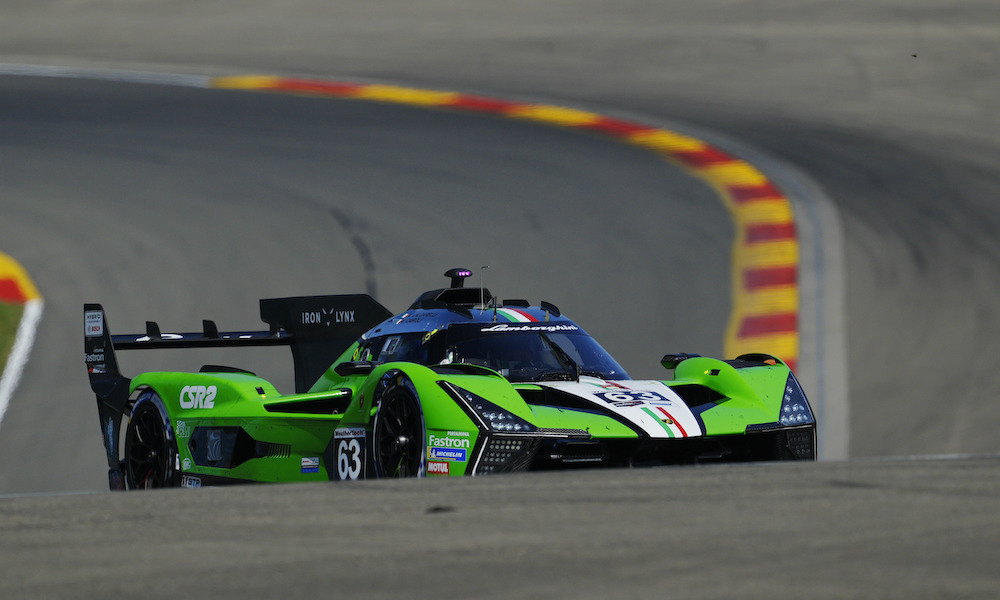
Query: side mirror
{"x": 361, "y": 367}
{"x": 670, "y": 361}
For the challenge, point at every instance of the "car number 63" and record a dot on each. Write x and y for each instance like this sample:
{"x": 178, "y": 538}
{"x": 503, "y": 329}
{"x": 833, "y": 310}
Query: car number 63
{"x": 349, "y": 458}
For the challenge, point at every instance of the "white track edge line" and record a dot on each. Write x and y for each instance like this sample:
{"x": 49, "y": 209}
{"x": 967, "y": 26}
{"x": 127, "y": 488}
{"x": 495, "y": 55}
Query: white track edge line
{"x": 19, "y": 352}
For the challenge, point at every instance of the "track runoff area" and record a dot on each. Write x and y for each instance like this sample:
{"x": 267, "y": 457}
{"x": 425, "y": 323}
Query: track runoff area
{"x": 765, "y": 253}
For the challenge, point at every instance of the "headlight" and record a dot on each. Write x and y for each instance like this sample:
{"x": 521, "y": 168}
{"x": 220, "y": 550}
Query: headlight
{"x": 486, "y": 413}
{"x": 794, "y": 406}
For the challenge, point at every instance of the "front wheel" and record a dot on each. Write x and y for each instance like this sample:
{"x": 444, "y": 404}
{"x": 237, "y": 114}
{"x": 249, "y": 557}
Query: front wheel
{"x": 399, "y": 431}
{"x": 150, "y": 447}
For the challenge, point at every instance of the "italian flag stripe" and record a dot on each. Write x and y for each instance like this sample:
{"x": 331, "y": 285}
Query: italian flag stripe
{"x": 515, "y": 315}
{"x": 675, "y": 421}
{"x": 665, "y": 427}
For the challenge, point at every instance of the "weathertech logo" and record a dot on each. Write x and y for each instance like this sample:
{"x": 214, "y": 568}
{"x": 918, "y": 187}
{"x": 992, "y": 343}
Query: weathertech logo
{"x": 437, "y": 468}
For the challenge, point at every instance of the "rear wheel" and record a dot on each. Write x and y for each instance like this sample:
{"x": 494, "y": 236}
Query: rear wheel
{"x": 150, "y": 447}
{"x": 399, "y": 431}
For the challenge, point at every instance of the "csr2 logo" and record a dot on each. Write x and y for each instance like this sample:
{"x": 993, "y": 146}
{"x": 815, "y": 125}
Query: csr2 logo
{"x": 198, "y": 396}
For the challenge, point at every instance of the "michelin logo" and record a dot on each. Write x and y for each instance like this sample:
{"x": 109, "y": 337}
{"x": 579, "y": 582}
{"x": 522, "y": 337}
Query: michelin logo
{"x": 458, "y": 454}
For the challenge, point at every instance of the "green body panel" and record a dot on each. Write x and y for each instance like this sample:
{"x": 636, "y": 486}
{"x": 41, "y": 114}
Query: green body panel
{"x": 752, "y": 395}
{"x": 596, "y": 425}
{"x": 330, "y": 379}
{"x": 236, "y": 403}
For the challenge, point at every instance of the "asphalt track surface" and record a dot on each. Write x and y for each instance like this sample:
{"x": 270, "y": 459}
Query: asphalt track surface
{"x": 888, "y": 106}
{"x": 843, "y": 530}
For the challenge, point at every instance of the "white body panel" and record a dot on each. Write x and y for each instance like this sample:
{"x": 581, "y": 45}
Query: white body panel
{"x": 650, "y": 405}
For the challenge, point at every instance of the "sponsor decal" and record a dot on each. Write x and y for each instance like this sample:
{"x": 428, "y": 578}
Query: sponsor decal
{"x": 183, "y": 431}
{"x": 349, "y": 432}
{"x": 459, "y": 433}
{"x": 505, "y": 328}
{"x": 310, "y": 464}
{"x": 188, "y": 481}
{"x": 165, "y": 336}
{"x": 93, "y": 323}
{"x": 93, "y": 358}
{"x": 625, "y": 398}
{"x": 198, "y": 396}
{"x": 448, "y": 442}
{"x": 437, "y": 468}
{"x": 324, "y": 316}
{"x": 452, "y": 454}
{"x": 186, "y": 465}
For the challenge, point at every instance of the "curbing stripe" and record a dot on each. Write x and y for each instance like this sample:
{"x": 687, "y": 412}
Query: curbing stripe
{"x": 15, "y": 285}
{"x": 17, "y": 288}
{"x": 765, "y": 252}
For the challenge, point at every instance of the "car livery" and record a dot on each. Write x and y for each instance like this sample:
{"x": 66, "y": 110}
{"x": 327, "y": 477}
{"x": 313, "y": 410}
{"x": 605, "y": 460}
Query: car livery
{"x": 458, "y": 384}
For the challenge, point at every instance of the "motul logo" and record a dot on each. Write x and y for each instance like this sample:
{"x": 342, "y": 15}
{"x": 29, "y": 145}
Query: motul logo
{"x": 437, "y": 468}
{"x": 198, "y": 396}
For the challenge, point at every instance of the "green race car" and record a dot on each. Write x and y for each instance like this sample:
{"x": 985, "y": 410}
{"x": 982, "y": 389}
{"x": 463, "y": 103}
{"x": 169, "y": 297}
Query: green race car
{"x": 459, "y": 384}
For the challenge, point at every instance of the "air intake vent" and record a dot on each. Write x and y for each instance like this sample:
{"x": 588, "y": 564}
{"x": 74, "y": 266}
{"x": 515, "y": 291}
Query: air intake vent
{"x": 270, "y": 450}
{"x": 696, "y": 395}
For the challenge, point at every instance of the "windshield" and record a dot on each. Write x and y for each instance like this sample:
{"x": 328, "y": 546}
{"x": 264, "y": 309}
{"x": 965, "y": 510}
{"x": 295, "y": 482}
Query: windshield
{"x": 560, "y": 351}
{"x": 533, "y": 352}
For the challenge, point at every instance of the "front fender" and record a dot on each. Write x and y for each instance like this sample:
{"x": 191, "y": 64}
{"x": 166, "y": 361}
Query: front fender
{"x": 749, "y": 395}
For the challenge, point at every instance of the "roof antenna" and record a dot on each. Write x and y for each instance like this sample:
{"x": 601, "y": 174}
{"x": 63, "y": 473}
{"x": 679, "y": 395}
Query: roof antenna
{"x": 482, "y": 291}
{"x": 482, "y": 285}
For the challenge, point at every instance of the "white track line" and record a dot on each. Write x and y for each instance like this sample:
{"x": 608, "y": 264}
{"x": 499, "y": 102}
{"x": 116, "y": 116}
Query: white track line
{"x": 19, "y": 352}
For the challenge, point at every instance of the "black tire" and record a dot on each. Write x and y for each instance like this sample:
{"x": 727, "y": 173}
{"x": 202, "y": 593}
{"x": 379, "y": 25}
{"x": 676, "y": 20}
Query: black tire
{"x": 150, "y": 447}
{"x": 399, "y": 436}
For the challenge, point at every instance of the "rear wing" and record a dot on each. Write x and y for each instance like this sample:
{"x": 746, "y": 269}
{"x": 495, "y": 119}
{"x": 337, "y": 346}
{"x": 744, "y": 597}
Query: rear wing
{"x": 316, "y": 328}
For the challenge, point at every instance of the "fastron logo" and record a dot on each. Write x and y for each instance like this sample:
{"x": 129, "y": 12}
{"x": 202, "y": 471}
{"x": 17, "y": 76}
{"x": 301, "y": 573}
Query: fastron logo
{"x": 198, "y": 396}
{"x": 447, "y": 442}
{"x": 99, "y": 357}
